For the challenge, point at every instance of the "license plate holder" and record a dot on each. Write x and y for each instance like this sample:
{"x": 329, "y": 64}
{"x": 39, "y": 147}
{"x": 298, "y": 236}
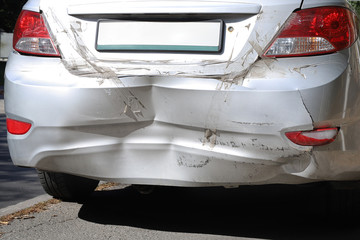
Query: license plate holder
{"x": 197, "y": 36}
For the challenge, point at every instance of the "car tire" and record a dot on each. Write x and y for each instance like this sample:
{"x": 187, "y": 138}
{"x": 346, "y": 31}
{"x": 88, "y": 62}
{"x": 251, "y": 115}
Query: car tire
{"x": 144, "y": 189}
{"x": 67, "y": 187}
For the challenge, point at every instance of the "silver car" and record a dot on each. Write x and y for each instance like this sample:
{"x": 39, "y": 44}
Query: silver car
{"x": 184, "y": 93}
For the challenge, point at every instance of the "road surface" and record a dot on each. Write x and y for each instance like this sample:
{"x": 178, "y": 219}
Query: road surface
{"x": 271, "y": 212}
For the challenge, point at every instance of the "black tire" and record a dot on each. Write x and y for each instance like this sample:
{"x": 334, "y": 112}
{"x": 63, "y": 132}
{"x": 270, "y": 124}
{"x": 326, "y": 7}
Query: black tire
{"x": 144, "y": 189}
{"x": 67, "y": 187}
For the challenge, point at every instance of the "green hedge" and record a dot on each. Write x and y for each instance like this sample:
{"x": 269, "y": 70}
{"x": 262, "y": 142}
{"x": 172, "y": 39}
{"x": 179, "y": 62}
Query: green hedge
{"x": 356, "y": 5}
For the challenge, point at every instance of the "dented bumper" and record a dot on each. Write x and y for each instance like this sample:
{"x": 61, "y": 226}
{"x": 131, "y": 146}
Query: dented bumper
{"x": 186, "y": 130}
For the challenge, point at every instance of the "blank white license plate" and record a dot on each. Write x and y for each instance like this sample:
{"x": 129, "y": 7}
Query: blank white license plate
{"x": 202, "y": 36}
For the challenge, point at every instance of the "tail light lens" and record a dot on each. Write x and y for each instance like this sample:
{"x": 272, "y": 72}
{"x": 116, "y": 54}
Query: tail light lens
{"x": 31, "y": 35}
{"x": 316, "y": 137}
{"x": 315, "y": 31}
{"x": 17, "y": 127}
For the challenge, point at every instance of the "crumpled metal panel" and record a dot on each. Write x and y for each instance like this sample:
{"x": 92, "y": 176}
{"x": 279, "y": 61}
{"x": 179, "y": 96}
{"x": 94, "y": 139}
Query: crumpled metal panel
{"x": 182, "y": 119}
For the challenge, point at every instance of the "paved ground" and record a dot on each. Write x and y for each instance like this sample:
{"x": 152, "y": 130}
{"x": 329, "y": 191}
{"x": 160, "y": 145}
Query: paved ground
{"x": 272, "y": 212}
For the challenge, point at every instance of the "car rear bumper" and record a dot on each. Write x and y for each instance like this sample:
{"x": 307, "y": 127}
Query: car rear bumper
{"x": 185, "y": 130}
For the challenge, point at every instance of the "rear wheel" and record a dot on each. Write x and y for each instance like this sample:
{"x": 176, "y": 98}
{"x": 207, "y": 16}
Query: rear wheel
{"x": 144, "y": 189}
{"x": 67, "y": 187}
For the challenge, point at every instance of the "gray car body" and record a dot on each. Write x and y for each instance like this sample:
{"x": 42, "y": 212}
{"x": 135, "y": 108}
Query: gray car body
{"x": 183, "y": 119}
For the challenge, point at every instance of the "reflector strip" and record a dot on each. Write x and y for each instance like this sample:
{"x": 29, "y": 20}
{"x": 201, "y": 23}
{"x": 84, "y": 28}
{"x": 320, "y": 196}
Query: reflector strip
{"x": 17, "y": 127}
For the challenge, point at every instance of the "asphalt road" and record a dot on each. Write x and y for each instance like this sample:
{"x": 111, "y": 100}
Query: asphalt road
{"x": 16, "y": 184}
{"x": 270, "y": 212}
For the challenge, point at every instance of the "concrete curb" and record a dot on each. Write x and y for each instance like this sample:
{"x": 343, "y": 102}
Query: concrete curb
{"x": 24, "y": 205}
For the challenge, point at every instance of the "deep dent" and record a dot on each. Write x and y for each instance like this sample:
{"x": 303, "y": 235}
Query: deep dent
{"x": 81, "y": 62}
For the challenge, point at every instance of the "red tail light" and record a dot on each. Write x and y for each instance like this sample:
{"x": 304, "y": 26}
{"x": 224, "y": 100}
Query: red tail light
{"x": 32, "y": 37}
{"x": 17, "y": 127}
{"x": 316, "y": 137}
{"x": 315, "y": 31}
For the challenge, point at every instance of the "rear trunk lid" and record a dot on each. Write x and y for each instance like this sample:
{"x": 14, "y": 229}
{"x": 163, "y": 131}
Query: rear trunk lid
{"x": 217, "y": 39}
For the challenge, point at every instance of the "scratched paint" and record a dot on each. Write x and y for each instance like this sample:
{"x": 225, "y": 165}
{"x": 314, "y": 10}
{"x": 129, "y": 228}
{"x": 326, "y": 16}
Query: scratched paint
{"x": 186, "y": 119}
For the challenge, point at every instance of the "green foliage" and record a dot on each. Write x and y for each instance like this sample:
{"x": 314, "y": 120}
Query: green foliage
{"x": 356, "y": 5}
{"x": 9, "y": 11}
